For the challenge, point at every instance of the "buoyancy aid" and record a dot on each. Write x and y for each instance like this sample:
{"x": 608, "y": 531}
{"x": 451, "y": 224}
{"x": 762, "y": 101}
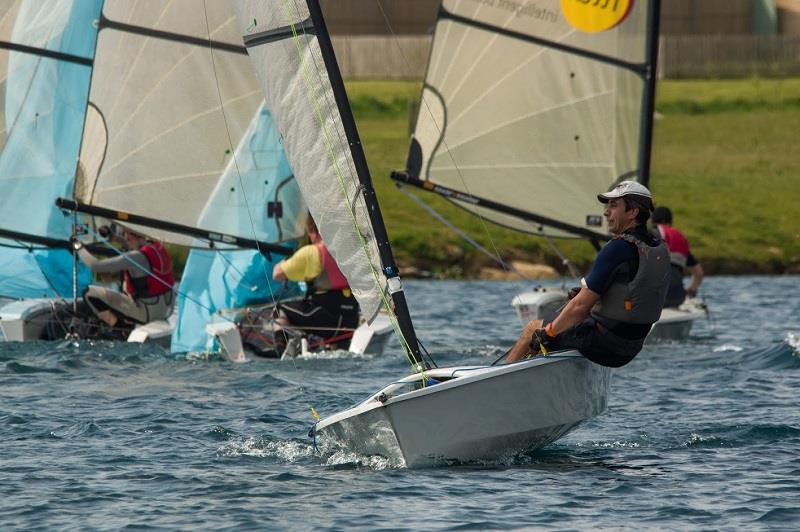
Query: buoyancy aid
{"x": 677, "y": 245}
{"x": 160, "y": 279}
{"x": 641, "y": 299}
{"x": 331, "y": 277}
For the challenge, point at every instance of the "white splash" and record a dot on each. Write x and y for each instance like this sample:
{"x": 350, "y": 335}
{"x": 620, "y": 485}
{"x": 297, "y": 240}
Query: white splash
{"x": 794, "y": 341}
{"x": 728, "y": 347}
{"x": 285, "y": 450}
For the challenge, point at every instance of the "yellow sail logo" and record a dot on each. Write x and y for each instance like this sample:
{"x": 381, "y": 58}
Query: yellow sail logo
{"x": 595, "y": 15}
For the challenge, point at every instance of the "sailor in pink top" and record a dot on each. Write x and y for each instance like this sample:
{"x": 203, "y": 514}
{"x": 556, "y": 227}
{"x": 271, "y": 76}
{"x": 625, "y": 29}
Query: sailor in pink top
{"x": 329, "y": 310}
{"x": 680, "y": 257}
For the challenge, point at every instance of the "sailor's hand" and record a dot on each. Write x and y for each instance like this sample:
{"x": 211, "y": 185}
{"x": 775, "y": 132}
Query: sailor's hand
{"x": 540, "y": 340}
{"x": 76, "y": 244}
{"x": 574, "y": 291}
{"x": 691, "y": 292}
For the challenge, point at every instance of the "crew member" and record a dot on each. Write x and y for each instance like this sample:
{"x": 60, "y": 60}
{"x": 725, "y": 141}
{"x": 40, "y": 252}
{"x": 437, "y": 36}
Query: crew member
{"x": 329, "y": 309}
{"x": 609, "y": 318}
{"x": 680, "y": 257}
{"x": 147, "y": 282}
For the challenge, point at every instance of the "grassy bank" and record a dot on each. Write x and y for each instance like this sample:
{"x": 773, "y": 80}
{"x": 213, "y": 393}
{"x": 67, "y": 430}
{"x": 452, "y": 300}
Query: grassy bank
{"x": 724, "y": 160}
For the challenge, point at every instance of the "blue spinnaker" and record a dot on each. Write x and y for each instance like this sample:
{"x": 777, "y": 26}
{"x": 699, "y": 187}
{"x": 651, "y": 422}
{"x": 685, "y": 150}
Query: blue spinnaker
{"x": 44, "y": 105}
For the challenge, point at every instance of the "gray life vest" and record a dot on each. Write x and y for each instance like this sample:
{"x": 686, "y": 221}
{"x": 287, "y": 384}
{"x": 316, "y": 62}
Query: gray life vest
{"x": 641, "y": 300}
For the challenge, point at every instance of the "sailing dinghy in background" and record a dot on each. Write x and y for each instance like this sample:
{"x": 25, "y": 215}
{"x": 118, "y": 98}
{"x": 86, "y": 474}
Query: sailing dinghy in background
{"x": 46, "y": 54}
{"x": 456, "y": 414}
{"x": 178, "y": 146}
{"x": 524, "y": 117}
{"x": 172, "y": 94}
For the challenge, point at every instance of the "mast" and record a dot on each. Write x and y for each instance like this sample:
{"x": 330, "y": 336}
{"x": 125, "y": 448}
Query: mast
{"x": 649, "y": 96}
{"x": 390, "y": 269}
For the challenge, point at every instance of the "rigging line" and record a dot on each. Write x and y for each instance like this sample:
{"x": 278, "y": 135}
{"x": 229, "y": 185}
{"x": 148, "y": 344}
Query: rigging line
{"x": 311, "y": 93}
{"x": 573, "y": 271}
{"x": 267, "y": 275}
{"x": 441, "y": 133}
{"x": 430, "y": 210}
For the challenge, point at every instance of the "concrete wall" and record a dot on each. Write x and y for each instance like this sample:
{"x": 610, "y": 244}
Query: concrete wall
{"x": 369, "y": 17}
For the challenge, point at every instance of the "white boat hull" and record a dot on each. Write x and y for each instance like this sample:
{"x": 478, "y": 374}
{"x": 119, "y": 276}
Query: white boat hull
{"x": 674, "y": 323}
{"x": 27, "y": 319}
{"x": 368, "y": 339}
{"x": 36, "y": 319}
{"x": 480, "y": 414}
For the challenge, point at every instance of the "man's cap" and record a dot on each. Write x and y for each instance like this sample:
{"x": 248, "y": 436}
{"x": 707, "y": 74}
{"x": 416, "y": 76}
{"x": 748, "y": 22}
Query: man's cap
{"x": 628, "y": 188}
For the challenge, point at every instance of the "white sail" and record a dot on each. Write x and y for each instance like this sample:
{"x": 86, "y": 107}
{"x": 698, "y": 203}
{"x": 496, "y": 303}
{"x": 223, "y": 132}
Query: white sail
{"x": 524, "y": 107}
{"x": 172, "y": 96}
{"x": 299, "y": 94}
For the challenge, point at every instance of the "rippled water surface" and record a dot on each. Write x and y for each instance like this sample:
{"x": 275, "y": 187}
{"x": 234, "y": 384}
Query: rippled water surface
{"x": 699, "y": 434}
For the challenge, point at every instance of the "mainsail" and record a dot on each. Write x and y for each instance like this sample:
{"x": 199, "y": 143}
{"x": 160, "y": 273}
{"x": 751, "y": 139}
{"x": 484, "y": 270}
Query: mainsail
{"x": 46, "y": 53}
{"x": 529, "y": 109}
{"x": 289, "y": 46}
{"x": 172, "y": 96}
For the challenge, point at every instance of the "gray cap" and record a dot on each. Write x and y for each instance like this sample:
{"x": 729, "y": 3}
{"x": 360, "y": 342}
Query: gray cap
{"x": 627, "y": 188}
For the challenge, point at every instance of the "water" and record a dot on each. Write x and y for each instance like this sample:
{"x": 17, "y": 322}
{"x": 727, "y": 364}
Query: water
{"x": 700, "y": 434}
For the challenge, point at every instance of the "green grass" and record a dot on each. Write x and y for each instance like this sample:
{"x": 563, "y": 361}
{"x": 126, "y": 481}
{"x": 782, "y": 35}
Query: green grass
{"x": 724, "y": 160}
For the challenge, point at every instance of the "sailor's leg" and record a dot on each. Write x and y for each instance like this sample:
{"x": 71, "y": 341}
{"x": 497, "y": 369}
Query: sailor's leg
{"x": 104, "y": 302}
{"x": 523, "y": 345}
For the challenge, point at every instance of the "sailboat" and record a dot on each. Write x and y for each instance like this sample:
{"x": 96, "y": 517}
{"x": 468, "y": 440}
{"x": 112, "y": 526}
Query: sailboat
{"x": 525, "y": 115}
{"x": 178, "y": 146}
{"x": 170, "y": 97}
{"x": 46, "y": 54}
{"x": 465, "y": 413}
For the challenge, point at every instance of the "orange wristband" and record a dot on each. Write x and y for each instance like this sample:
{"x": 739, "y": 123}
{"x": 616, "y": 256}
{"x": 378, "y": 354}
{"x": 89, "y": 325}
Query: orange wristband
{"x": 549, "y": 330}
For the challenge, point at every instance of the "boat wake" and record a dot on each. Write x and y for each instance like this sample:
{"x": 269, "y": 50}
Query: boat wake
{"x": 739, "y": 436}
{"x": 296, "y": 451}
{"x": 793, "y": 340}
{"x": 289, "y": 451}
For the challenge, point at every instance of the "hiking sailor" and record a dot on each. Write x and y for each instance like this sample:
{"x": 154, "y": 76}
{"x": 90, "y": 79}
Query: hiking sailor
{"x": 147, "y": 282}
{"x": 612, "y": 313}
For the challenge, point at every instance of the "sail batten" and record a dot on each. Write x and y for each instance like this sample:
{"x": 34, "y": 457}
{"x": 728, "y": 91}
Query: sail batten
{"x": 530, "y": 100}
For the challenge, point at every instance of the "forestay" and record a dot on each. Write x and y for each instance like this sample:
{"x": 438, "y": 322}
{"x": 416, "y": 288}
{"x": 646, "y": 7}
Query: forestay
{"x": 298, "y": 90}
{"x": 46, "y": 51}
{"x": 535, "y": 106}
{"x": 172, "y": 96}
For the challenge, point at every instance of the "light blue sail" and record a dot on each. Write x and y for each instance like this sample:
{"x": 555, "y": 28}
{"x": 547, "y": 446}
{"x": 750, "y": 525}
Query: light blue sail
{"x": 44, "y": 105}
{"x": 264, "y": 204}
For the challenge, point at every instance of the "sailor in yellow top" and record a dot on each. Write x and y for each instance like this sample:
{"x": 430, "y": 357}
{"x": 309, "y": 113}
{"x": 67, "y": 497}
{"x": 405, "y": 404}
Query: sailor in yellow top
{"x": 304, "y": 265}
{"x": 329, "y": 310}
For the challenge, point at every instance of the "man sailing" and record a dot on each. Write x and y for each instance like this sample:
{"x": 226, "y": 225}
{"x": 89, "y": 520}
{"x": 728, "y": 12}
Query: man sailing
{"x": 618, "y": 302}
